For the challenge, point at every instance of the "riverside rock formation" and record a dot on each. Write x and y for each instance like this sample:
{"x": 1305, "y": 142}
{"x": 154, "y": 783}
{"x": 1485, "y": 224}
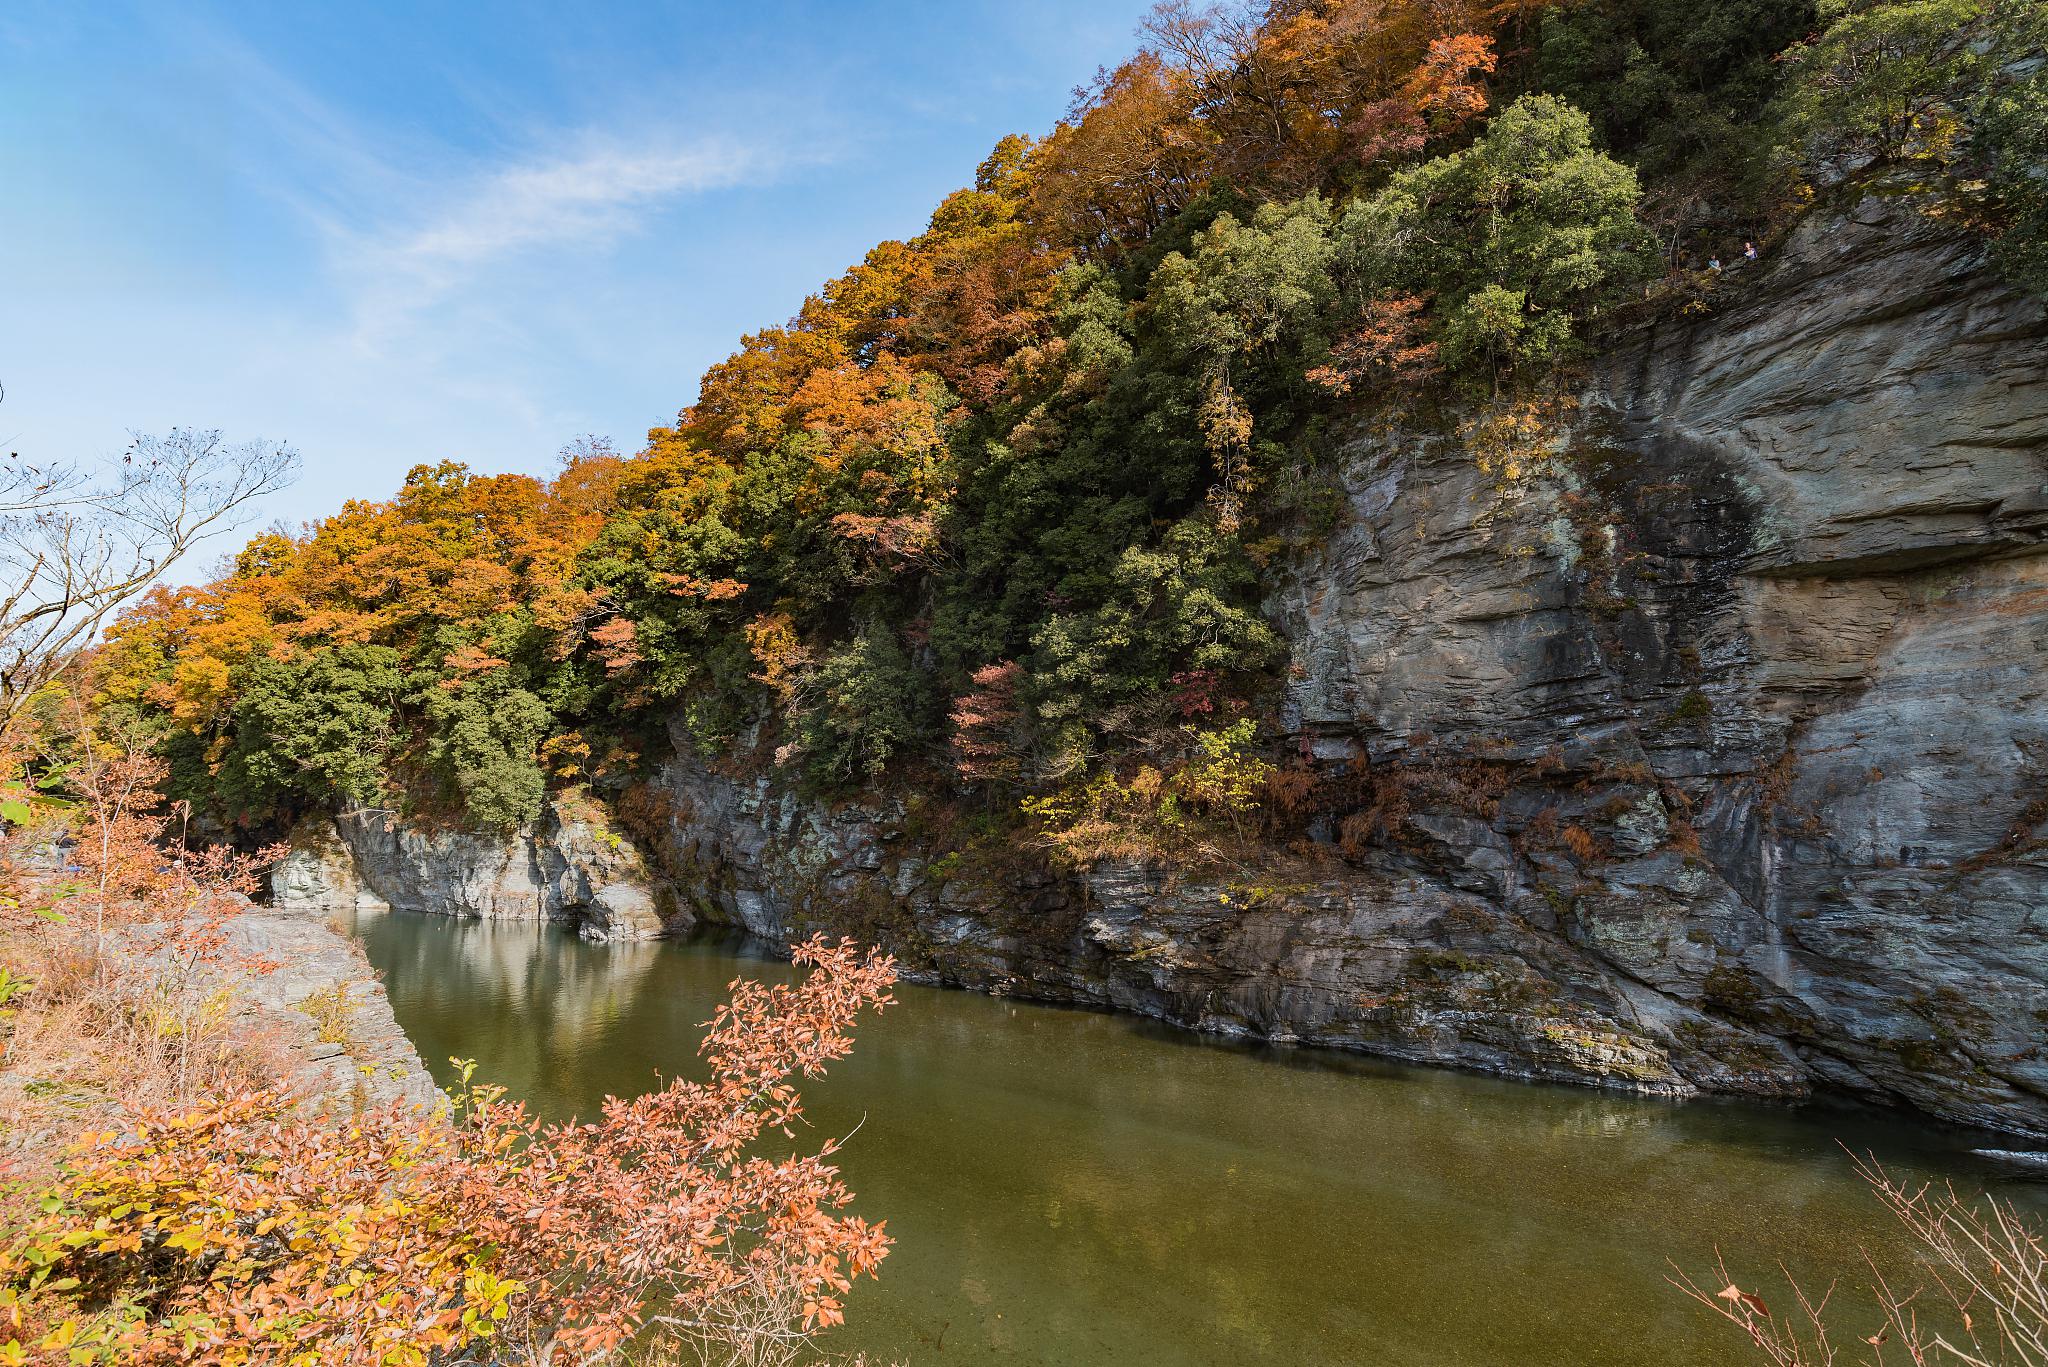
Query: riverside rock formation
{"x": 564, "y": 868}
{"x": 303, "y": 981}
{"x": 1711, "y": 746}
{"x": 323, "y": 994}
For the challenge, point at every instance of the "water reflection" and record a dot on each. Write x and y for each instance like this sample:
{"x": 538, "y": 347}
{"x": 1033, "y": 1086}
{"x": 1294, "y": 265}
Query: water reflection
{"x": 1073, "y": 1188}
{"x": 564, "y": 1006}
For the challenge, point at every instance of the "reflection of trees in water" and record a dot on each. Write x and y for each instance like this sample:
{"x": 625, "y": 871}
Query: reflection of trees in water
{"x": 538, "y": 1008}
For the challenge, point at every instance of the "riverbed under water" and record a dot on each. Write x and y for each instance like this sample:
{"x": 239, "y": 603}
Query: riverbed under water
{"x": 1075, "y": 1189}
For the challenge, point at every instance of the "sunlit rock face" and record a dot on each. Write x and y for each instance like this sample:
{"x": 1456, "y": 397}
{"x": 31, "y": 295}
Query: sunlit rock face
{"x": 1778, "y": 622}
{"x": 564, "y": 868}
{"x": 1720, "y": 732}
{"x": 1771, "y": 634}
{"x": 305, "y": 984}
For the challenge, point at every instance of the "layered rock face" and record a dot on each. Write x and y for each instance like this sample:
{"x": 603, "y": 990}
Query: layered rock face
{"x": 319, "y": 990}
{"x": 1714, "y": 746}
{"x": 1707, "y": 752}
{"x": 302, "y": 984}
{"x": 564, "y": 868}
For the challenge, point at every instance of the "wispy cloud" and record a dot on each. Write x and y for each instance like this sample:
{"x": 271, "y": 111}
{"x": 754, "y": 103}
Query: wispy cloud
{"x": 452, "y": 255}
{"x": 583, "y": 201}
{"x": 407, "y": 222}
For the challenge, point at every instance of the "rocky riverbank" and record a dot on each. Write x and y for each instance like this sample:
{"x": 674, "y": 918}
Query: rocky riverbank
{"x": 566, "y": 869}
{"x": 302, "y": 977}
{"x": 1716, "y": 739}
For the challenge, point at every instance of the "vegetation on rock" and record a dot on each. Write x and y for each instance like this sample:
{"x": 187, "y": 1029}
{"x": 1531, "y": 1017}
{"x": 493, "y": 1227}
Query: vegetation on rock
{"x": 1065, "y": 432}
{"x": 243, "y": 1230}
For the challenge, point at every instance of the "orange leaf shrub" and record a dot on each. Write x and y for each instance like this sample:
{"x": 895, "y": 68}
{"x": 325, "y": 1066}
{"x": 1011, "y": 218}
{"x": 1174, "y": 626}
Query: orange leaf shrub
{"x": 239, "y": 1231}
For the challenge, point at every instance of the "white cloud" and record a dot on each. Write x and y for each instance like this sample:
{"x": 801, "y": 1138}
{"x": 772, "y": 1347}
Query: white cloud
{"x": 385, "y": 290}
{"x": 583, "y": 201}
{"x": 405, "y": 221}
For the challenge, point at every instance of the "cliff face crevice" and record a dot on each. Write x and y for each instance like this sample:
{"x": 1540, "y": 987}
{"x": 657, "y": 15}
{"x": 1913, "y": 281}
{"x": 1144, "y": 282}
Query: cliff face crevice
{"x": 1720, "y": 733}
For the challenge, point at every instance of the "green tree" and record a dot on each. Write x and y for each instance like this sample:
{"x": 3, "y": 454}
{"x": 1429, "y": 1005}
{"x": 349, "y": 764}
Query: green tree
{"x": 1179, "y": 607}
{"x": 869, "y": 704}
{"x": 1678, "y": 89}
{"x": 483, "y": 745}
{"x": 1249, "y": 290}
{"x": 1247, "y": 309}
{"x": 1100, "y": 449}
{"x": 2011, "y": 138}
{"x": 1520, "y": 238}
{"x": 316, "y": 726}
{"x": 1887, "y": 78}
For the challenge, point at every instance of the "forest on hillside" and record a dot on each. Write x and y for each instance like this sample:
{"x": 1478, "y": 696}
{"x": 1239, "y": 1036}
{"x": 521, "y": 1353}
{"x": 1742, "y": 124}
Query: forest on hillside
{"x": 999, "y": 502}
{"x": 994, "y": 524}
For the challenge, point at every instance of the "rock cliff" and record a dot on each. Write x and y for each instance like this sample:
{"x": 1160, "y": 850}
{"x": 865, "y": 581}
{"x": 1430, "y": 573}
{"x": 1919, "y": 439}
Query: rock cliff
{"x": 1719, "y": 737}
{"x": 565, "y": 868}
{"x": 1708, "y": 748}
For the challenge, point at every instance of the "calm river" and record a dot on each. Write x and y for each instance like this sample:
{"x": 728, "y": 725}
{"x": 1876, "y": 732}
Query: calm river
{"x": 1071, "y": 1188}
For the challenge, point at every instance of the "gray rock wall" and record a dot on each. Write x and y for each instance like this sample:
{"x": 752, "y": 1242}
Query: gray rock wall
{"x": 563, "y": 868}
{"x": 1722, "y": 734}
{"x": 316, "y": 986}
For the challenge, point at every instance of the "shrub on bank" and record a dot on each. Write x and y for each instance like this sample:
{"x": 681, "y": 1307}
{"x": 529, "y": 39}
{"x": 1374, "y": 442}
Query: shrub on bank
{"x": 240, "y": 1230}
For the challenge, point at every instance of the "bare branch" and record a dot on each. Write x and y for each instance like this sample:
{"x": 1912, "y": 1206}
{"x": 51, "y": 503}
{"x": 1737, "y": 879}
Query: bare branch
{"x": 75, "y": 545}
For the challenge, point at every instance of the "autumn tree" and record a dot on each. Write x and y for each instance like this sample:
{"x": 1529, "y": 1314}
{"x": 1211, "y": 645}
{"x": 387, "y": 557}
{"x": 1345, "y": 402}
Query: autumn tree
{"x": 242, "y": 1229}
{"x": 1287, "y": 93}
{"x": 985, "y": 724}
{"x": 394, "y": 653}
{"x": 1516, "y": 240}
{"x": 77, "y": 543}
{"x": 1273, "y": 99}
{"x": 1124, "y": 161}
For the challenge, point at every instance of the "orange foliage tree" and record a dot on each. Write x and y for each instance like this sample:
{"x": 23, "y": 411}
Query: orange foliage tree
{"x": 985, "y": 724}
{"x": 460, "y": 579}
{"x": 920, "y": 459}
{"x": 242, "y": 1231}
{"x": 1274, "y": 98}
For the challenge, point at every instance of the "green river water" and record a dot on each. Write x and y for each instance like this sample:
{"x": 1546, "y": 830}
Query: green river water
{"x": 1081, "y": 1189}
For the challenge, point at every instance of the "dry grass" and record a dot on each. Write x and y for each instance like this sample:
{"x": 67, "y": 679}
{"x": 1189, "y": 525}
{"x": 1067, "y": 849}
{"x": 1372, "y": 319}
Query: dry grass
{"x": 111, "y": 1020}
{"x": 334, "y": 1015}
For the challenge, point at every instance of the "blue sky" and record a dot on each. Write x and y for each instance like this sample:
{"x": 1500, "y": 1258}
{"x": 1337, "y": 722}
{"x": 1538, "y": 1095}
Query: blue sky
{"x": 393, "y": 233}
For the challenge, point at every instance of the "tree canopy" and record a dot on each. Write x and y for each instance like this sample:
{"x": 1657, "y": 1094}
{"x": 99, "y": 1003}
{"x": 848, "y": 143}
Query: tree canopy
{"x": 1030, "y": 467}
